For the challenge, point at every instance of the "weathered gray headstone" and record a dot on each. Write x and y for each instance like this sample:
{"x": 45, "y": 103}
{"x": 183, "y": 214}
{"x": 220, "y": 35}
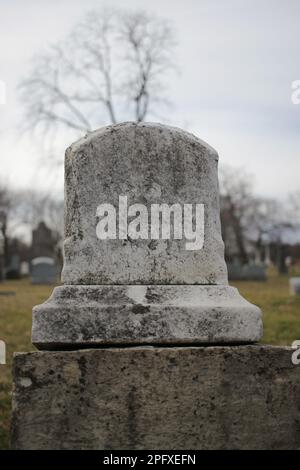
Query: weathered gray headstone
{"x": 144, "y": 258}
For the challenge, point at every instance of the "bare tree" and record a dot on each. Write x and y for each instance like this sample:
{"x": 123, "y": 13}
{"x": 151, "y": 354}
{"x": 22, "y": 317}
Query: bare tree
{"x": 236, "y": 208}
{"x": 110, "y": 68}
{"x": 293, "y": 209}
{"x": 34, "y": 207}
{"x": 252, "y": 222}
{"x": 5, "y": 205}
{"x": 22, "y": 210}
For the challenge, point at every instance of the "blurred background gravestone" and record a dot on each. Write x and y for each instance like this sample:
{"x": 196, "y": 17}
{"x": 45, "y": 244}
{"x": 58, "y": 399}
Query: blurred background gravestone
{"x": 13, "y": 268}
{"x": 246, "y": 272}
{"x": 295, "y": 285}
{"x": 43, "y": 243}
{"x": 43, "y": 270}
{"x": 2, "y": 260}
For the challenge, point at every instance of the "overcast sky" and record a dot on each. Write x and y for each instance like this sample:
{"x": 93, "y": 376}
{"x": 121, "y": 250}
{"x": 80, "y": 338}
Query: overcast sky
{"x": 237, "y": 60}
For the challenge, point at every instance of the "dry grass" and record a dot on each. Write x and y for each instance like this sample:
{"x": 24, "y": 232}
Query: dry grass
{"x": 15, "y": 330}
{"x": 281, "y": 311}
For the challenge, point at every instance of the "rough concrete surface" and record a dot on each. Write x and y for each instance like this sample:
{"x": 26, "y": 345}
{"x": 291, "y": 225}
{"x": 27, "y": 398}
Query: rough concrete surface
{"x": 242, "y": 397}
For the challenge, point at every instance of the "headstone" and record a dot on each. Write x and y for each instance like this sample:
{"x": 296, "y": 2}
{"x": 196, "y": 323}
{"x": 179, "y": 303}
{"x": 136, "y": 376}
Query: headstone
{"x": 247, "y": 272}
{"x": 25, "y": 268}
{"x": 294, "y": 285}
{"x": 2, "y": 262}
{"x": 2, "y": 352}
{"x": 43, "y": 243}
{"x": 43, "y": 270}
{"x": 12, "y": 271}
{"x": 144, "y": 259}
{"x": 281, "y": 257}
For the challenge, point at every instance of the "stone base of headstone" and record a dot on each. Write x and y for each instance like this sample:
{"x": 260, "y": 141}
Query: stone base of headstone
{"x": 241, "y": 397}
{"x": 87, "y": 316}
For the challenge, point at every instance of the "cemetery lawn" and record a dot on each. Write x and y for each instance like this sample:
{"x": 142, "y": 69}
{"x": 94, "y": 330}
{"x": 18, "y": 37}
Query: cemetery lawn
{"x": 281, "y": 324}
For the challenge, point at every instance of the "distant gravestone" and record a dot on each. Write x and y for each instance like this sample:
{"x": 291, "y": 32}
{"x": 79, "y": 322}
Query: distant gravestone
{"x": 43, "y": 270}
{"x": 2, "y": 352}
{"x": 13, "y": 270}
{"x": 25, "y": 268}
{"x": 294, "y": 285}
{"x": 43, "y": 243}
{"x": 249, "y": 272}
{"x": 144, "y": 259}
{"x": 2, "y": 263}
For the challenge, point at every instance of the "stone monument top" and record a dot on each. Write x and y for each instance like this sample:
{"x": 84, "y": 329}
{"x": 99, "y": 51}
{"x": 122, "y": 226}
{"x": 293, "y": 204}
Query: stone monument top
{"x": 161, "y": 171}
{"x": 144, "y": 257}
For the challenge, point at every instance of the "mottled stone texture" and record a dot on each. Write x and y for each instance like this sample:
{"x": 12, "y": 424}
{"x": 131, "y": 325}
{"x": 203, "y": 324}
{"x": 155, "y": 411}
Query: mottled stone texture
{"x": 148, "y": 163}
{"x": 142, "y": 291}
{"x": 91, "y": 315}
{"x": 242, "y": 397}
